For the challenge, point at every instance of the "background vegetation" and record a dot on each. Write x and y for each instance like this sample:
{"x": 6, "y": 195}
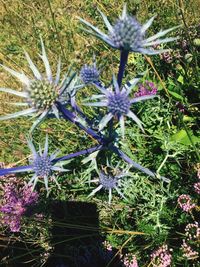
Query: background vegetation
{"x": 170, "y": 144}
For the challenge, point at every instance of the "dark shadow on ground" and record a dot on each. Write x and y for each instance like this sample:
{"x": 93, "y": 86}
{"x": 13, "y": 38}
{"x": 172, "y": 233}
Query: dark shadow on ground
{"x": 75, "y": 240}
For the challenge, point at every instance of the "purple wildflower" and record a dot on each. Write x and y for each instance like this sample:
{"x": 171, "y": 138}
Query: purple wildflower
{"x": 42, "y": 165}
{"x": 109, "y": 182}
{"x": 118, "y": 103}
{"x": 185, "y": 203}
{"x": 89, "y": 73}
{"x": 161, "y": 257}
{"x": 127, "y": 34}
{"x": 15, "y": 203}
{"x": 148, "y": 88}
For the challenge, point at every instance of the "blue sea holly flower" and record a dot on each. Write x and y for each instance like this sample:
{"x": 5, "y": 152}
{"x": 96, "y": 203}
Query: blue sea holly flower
{"x": 118, "y": 103}
{"x": 129, "y": 35}
{"x": 42, "y": 165}
{"x": 41, "y": 92}
{"x": 89, "y": 74}
{"x": 109, "y": 182}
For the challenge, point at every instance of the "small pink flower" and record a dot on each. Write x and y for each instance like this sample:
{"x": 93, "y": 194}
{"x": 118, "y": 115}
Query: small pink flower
{"x": 148, "y": 88}
{"x": 15, "y": 202}
{"x": 130, "y": 260}
{"x": 188, "y": 252}
{"x": 161, "y": 257}
{"x": 185, "y": 203}
{"x": 107, "y": 245}
{"x": 197, "y": 188}
{"x": 192, "y": 231}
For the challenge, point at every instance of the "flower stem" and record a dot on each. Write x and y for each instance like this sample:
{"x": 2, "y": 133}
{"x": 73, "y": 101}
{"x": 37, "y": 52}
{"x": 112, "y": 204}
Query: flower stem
{"x": 135, "y": 164}
{"x": 122, "y": 66}
{"x": 79, "y": 153}
{"x": 15, "y": 170}
{"x": 72, "y": 155}
{"x": 72, "y": 117}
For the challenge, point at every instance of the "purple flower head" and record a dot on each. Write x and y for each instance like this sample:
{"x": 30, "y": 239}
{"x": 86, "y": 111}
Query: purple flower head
{"x": 42, "y": 165}
{"x": 161, "y": 257}
{"x": 128, "y": 34}
{"x": 17, "y": 198}
{"x": 118, "y": 103}
{"x": 109, "y": 181}
{"x": 89, "y": 73}
{"x": 185, "y": 203}
{"x": 148, "y": 88}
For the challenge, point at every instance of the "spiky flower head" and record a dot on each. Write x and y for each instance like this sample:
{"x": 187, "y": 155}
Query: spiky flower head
{"x": 109, "y": 180}
{"x": 40, "y": 92}
{"x": 42, "y": 165}
{"x": 89, "y": 74}
{"x": 118, "y": 103}
{"x": 128, "y": 34}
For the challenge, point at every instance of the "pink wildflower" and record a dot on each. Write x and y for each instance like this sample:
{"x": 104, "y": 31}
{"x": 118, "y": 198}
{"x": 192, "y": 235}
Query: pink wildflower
{"x": 197, "y": 188}
{"x": 185, "y": 203}
{"x": 146, "y": 89}
{"x": 192, "y": 231}
{"x": 188, "y": 252}
{"x": 161, "y": 257}
{"x": 107, "y": 245}
{"x": 15, "y": 203}
{"x": 130, "y": 260}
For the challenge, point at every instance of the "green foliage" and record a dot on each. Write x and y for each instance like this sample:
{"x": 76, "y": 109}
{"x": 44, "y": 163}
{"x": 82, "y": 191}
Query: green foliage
{"x": 169, "y": 146}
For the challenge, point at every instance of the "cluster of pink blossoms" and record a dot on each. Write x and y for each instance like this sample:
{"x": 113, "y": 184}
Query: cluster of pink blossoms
{"x": 16, "y": 199}
{"x": 148, "y": 88}
{"x": 185, "y": 203}
{"x": 130, "y": 261}
{"x": 188, "y": 251}
{"x": 197, "y": 188}
{"x": 161, "y": 257}
{"x": 192, "y": 233}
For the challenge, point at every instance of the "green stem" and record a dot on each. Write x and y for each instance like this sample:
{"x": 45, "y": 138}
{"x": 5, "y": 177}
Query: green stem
{"x": 56, "y": 29}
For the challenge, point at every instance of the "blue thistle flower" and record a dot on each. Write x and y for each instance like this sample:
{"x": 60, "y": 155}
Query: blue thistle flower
{"x": 129, "y": 35}
{"x": 42, "y": 165}
{"x": 109, "y": 182}
{"x": 40, "y": 93}
{"x": 89, "y": 74}
{"x": 118, "y": 103}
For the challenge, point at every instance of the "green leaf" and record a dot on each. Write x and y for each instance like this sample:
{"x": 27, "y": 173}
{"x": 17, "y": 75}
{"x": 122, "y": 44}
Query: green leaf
{"x": 175, "y": 95}
{"x": 180, "y": 79}
{"x": 182, "y": 137}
